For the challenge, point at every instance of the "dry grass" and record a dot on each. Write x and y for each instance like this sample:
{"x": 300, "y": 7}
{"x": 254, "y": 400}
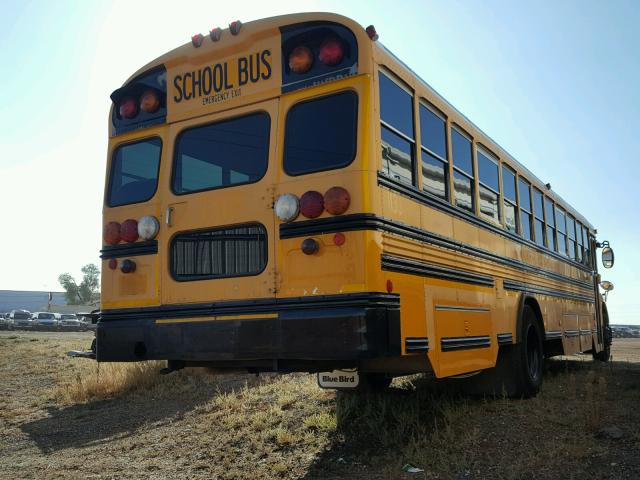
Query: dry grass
{"x": 99, "y": 382}
{"x": 67, "y": 418}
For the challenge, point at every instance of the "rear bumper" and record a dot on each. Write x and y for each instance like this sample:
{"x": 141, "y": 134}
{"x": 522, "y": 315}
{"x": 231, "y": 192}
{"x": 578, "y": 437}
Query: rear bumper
{"x": 304, "y": 333}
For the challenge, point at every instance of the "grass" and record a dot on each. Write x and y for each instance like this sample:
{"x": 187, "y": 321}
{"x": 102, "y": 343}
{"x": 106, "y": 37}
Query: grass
{"x": 126, "y": 420}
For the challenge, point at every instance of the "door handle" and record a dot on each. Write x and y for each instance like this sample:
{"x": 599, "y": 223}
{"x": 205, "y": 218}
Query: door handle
{"x": 167, "y": 216}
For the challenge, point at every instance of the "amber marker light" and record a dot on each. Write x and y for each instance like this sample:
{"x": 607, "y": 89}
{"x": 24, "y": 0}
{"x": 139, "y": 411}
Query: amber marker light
{"x": 300, "y": 60}
{"x": 149, "y": 101}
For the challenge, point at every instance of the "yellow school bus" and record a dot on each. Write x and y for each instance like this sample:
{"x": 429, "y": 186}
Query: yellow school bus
{"x": 286, "y": 195}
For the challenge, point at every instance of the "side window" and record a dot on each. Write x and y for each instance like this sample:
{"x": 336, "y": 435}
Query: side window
{"x": 222, "y": 154}
{"x": 525, "y": 208}
{"x": 321, "y": 134}
{"x": 462, "y": 170}
{"x": 489, "y": 185}
{"x": 397, "y": 131}
{"x": 435, "y": 168}
{"x": 561, "y": 224}
{"x": 571, "y": 234}
{"x": 134, "y": 172}
{"x": 538, "y": 213}
{"x": 510, "y": 201}
{"x": 551, "y": 224}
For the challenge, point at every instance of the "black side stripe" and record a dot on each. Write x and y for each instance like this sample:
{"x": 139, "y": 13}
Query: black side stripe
{"x": 505, "y": 338}
{"x": 449, "y": 344}
{"x": 585, "y": 331}
{"x": 416, "y": 344}
{"x": 553, "y": 335}
{"x": 434, "y": 202}
{"x": 571, "y": 333}
{"x": 414, "y": 267}
{"x": 129, "y": 250}
{"x": 368, "y": 221}
{"x": 527, "y": 287}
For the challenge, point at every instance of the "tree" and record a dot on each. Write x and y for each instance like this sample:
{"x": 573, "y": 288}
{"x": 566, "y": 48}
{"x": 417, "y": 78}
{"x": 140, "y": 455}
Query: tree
{"x": 88, "y": 292}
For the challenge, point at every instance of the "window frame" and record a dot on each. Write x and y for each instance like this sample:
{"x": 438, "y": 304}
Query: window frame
{"x": 423, "y": 103}
{"x": 544, "y": 243}
{"x": 564, "y": 234}
{"x": 176, "y": 142}
{"x": 531, "y": 239}
{"x": 454, "y": 169}
{"x": 117, "y": 147}
{"x": 548, "y": 200}
{"x": 415, "y": 174}
{"x": 484, "y": 151}
{"x": 355, "y": 125}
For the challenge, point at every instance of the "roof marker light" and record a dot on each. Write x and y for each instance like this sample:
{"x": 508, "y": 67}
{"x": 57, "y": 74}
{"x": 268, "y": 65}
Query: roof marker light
{"x": 215, "y": 34}
{"x": 234, "y": 27}
{"x": 197, "y": 39}
{"x": 371, "y": 31}
{"x": 128, "y": 107}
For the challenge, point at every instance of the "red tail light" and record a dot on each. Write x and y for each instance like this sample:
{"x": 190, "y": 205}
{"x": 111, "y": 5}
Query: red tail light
{"x": 149, "y": 101}
{"x": 113, "y": 263}
{"x": 339, "y": 239}
{"x": 371, "y": 31}
{"x": 337, "y": 200}
{"x": 300, "y": 60}
{"x": 331, "y": 51}
{"x": 128, "y": 107}
{"x": 129, "y": 231}
{"x": 112, "y": 233}
{"x": 312, "y": 204}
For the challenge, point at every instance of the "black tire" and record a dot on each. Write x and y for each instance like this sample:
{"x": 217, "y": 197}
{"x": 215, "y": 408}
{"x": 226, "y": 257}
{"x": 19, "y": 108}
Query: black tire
{"x": 518, "y": 371}
{"x": 604, "y": 355}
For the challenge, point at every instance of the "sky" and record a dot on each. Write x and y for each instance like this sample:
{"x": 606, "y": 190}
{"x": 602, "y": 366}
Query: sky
{"x": 555, "y": 83}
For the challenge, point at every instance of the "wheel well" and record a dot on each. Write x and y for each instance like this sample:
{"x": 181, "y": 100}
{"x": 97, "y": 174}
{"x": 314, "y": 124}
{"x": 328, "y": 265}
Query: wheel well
{"x": 533, "y": 304}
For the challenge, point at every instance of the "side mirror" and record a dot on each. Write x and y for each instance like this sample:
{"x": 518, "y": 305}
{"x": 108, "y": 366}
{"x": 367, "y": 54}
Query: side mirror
{"x": 607, "y": 257}
{"x": 606, "y": 286}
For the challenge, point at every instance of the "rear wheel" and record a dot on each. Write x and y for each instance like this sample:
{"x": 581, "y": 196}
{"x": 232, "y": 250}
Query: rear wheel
{"x": 605, "y": 354}
{"x": 518, "y": 371}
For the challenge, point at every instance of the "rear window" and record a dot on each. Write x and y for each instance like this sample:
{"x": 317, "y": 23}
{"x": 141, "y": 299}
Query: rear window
{"x": 320, "y": 134}
{"x": 21, "y": 315}
{"x": 134, "y": 172}
{"x": 68, "y": 317}
{"x": 222, "y": 154}
{"x": 45, "y": 316}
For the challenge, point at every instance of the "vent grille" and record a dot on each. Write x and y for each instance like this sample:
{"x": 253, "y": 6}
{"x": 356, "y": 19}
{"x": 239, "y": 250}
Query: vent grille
{"x": 218, "y": 253}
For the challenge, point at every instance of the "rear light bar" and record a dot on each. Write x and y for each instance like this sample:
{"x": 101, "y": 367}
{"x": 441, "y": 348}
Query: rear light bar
{"x": 141, "y": 103}
{"x": 317, "y": 52}
{"x": 131, "y": 230}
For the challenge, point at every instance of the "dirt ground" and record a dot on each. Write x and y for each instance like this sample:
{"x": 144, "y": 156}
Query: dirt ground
{"x": 69, "y": 418}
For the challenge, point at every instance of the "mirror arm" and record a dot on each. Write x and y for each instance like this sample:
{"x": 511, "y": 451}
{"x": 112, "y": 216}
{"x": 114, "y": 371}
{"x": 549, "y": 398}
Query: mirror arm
{"x": 605, "y": 243}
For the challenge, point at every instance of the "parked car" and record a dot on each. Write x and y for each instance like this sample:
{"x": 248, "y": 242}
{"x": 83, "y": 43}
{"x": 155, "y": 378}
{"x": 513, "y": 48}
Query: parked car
{"x": 44, "y": 321}
{"x": 68, "y": 321}
{"x": 4, "y": 321}
{"x": 20, "y": 319}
